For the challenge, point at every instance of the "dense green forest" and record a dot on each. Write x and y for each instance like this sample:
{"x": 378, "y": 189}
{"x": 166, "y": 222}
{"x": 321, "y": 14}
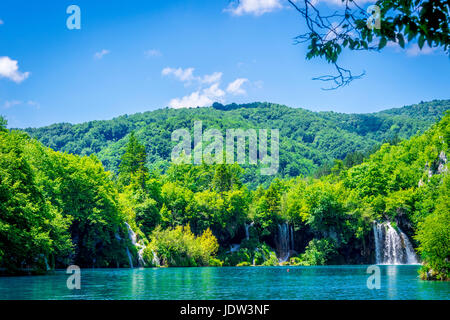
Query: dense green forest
{"x": 58, "y": 208}
{"x": 309, "y": 141}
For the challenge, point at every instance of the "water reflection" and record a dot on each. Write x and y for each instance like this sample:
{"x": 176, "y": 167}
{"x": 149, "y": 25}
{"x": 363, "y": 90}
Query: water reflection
{"x": 391, "y": 272}
{"x": 326, "y": 282}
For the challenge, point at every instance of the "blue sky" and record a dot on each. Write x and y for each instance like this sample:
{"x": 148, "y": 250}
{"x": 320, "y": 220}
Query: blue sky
{"x": 134, "y": 56}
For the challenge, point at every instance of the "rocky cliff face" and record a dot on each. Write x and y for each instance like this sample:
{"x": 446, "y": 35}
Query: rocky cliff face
{"x": 438, "y": 166}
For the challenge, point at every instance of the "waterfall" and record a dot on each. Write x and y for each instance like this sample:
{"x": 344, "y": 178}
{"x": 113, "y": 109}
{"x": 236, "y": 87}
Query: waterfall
{"x": 131, "y": 234}
{"x": 284, "y": 241}
{"x": 46, "y": 264}
{"x": 130, "y": 258}
{"x": 133, "y": 238}
{"x": 156, "y": 260}
{"x": 292, "y": 237}
{"x": 392, "y": 246}
{"x": 247, "y": 230}
{"x": 235, "y": 247}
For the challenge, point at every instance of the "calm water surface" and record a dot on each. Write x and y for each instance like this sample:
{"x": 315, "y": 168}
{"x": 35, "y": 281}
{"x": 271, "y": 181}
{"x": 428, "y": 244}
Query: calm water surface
{"x": 325, "y": 282}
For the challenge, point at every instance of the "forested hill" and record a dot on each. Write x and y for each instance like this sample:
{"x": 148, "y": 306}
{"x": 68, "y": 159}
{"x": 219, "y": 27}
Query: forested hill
{"x": 308, "y": 139}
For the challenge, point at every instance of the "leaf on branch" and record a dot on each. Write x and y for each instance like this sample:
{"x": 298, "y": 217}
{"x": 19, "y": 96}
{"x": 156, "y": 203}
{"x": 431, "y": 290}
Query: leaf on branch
{"x": 401, "y": 40}
{"x": 421, "y": 41}
{"x": 382, "y": 44}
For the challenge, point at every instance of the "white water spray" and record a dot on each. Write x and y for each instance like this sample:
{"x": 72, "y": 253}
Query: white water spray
{"x": 284, "y": 241}
{"x": 392, "y": 246}
{"x": 133, "y": 239}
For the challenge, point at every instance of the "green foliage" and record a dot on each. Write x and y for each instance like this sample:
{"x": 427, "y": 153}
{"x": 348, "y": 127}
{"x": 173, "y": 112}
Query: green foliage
{"x": 271, "y": 261}
{"x": 421, "y": 20}
{"x": 179, "y": 247}
{"x": 295, "y": 261}
{"x": 266, "y": 208}
{"x": 51, "y": 200}
{"x": 318, "y": 252}
{"x": 394, "y": 21}
{"x": 132, "y": 163}
{"x": 3, "y": 124}
{"x": 213, "y": 262}
{"x": 434, "y": 235}
{"x": 86, "y": 193}
{"x": 61, "y": 208}
{"x": 32, "y": 230}
{"x": 308, "y": 139}
{"x": 243, "y": 255}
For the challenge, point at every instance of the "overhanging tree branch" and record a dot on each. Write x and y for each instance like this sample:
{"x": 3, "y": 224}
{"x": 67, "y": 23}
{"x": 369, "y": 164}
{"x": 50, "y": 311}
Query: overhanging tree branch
{"x": 400, "y": 21}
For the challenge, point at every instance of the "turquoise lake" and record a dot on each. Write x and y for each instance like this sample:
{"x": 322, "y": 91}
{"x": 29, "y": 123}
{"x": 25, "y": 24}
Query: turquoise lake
{"x": 324, "y": 282}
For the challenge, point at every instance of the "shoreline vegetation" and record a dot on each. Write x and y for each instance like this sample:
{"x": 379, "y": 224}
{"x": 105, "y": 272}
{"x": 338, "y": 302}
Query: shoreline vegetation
{"x": 59, "y": 209}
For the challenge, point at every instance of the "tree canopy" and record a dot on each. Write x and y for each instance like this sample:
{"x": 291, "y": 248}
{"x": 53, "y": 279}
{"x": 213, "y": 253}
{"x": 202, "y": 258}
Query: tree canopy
{"x": 308, "y": 140}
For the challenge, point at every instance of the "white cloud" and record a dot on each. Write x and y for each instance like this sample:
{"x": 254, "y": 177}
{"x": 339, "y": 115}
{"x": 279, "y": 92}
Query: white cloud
{"x": 340, "y": 2}
{"x": 258, "y": 84}
{"x": 1, "y": 22}
{"x": 179, "y": 73}
{"x": 13, "y": 103}
{"x": 259, "y": 7}
{"x": 254, "y": 7}
{"x": 187, "y": 75}
{"x": 33, "y": 104}
{"x": 99, "y": 55}
{"x": 235, "y": 86}
{"x": 199, "y": 98}
{"x": 9, "y": 69}
{"x": 153, "y": 53}
{"x": 212, "y": 78}
{"x": 214, "y": 91}
{"x": 195, "y": 99}
{"x": 208, "y": 90}
{"x": 414, "y": 50}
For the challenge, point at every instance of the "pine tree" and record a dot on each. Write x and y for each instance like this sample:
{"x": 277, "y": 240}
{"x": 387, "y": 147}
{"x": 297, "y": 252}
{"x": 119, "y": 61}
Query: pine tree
{"x": 132, "y": 166}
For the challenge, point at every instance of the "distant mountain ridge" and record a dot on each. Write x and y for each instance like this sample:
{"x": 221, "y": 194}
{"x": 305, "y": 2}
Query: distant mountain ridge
{"x": 308, "y": 139}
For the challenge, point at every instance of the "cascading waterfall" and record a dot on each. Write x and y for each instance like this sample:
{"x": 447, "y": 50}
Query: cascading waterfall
{"x": 129, "y": 258}
{"x": 156, "y": 260}
{"x": 235, "y": 247}
{"x": 247, "y": 234}
{"x": 46, "y": 264}
{"x": 133, "y": 238}
{"x": 47, "y": 267}
{"x": 392, "y": 246}
{"x": 247, "y": 230}
{"x": 292, "y": 238}
{"x": 284, "y": 241}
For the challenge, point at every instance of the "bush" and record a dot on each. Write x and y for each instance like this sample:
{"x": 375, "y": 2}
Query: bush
{"x": 263, "y": 253}
{"x": 213, "y": 262}
{"x": 179, "y": 247}
{"x": 244, "y": 264}
{"x": 234, "y": 258}
{"x": 272, "y": 260}
{"x": 434, "y": 238}
{"x": 295, "y": 261}
{"x": 318, "y": 252}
